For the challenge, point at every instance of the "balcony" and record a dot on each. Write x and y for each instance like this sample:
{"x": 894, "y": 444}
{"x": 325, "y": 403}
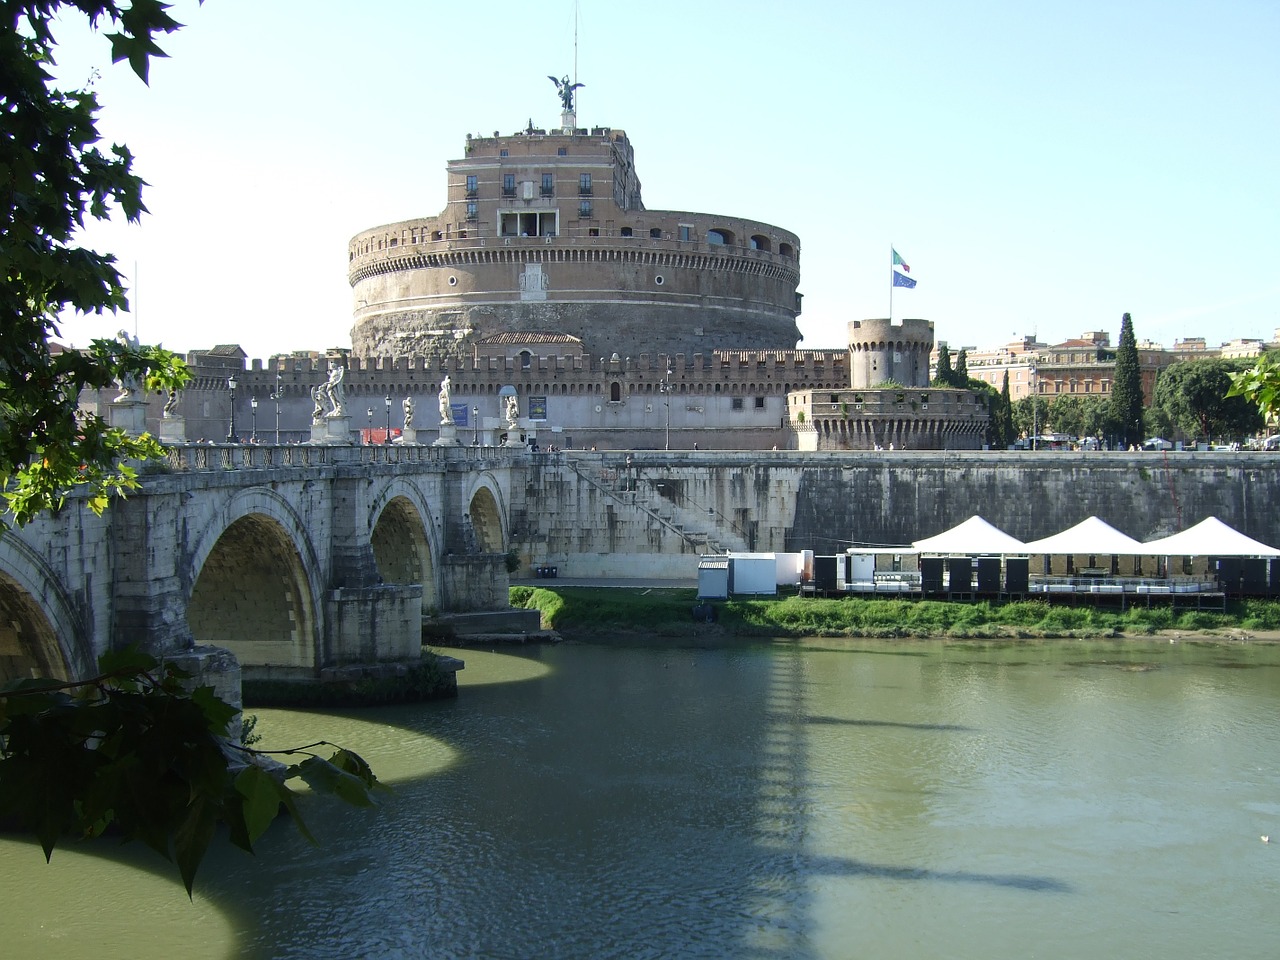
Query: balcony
{"x": 472, "y": 194}
{"x": 548, "y": 191}
{"x": 508, "y": 191}
{"x": 584, "y": 189}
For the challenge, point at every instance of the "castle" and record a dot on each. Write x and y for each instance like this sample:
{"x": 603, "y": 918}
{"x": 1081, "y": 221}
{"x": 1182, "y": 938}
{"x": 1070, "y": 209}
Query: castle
{"x": 546, "y": 278}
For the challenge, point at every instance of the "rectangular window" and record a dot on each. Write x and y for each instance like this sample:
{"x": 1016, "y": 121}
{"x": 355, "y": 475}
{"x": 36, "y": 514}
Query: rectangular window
{"x": 584, "y": 184}
{"x": 736, "y": 403}
{"x": 626, "y": 231}
{"x": 584, "y": 209}
{"x": 561, "y": 151}
{"x": 503, "y": 153}
{"x": 759, "y": 403}
{"x": 548, "y": 184}
{"x": 655, "y": 233}
{"x": 508, "y": 184}
{"x": 472, "y": 212}
{"x": 471, "y": 184}
{"x": 686, "y": 232}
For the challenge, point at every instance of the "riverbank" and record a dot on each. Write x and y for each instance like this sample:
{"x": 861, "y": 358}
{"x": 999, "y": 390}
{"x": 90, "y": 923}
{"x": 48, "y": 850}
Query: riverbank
{"x": 575, "y": 612}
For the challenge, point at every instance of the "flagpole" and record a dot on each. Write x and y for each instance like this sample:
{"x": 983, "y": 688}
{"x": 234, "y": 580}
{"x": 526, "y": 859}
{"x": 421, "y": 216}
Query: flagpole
{"x": 891, "y": 284}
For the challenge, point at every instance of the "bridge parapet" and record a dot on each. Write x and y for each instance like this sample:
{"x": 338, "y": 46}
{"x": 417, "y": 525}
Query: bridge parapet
{"x": 194, "y": 457}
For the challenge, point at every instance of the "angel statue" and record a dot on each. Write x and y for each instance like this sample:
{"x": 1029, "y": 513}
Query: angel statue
{"x": 446, "y": 403}
{"x": 512, "y": 410}
{"x": 407, "y": 406}
{"x": 565, "y": 89}
{"x": 127, "y": 382}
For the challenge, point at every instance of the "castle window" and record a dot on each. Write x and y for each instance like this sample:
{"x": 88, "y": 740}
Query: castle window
{"x": 655, "y": 233}
{"x": 786, "y": 250}
{"x": 720, "y": 237}
{"x": 584, "y": 209}
{"x": 736, "y": 403}
{"x": 526, "y": 358}
{"x": 472, "y": 212}
{"x": 584, "y": 184}
{"x": 471, "y": 185}
{"x": 593, "y": 232}
{"x": 615, "y": 392}
{"x": 761, "y": 243}
{"x": 759, "y": 403}
{"x": 508, "y": 184}
{"x": 561, "y": 152}
{"x": 503, "y": 153}
{"x": 686, "y": 232}
{"x": 548, "y": 184}
{"x": 625, "y": 231}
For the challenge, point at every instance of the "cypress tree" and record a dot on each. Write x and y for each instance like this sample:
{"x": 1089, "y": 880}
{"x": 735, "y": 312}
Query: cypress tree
{"x": 1006, "y": 414}
{"x": 944, "y": 374}
{"x": 1126, "y": 387}
{"x": 961, "y": 376}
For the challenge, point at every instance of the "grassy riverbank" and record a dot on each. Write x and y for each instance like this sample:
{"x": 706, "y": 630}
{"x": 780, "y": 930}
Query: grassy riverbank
{"x": 587, "y": 610}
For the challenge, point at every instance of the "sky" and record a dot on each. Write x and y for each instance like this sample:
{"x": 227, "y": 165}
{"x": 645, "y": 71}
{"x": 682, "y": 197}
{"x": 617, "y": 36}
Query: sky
{"x": 1043, "y": 167}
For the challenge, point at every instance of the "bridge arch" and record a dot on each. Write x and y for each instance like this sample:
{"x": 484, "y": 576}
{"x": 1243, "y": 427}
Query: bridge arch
{"x": 488, "y": 514}
{"x": 40, "y": 635}
{"x": 254, "y": 584}
{"x": 404, "y": 538}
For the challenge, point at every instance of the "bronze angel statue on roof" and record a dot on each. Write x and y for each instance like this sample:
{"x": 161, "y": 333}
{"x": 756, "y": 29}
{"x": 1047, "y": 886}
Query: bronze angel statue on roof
{"x": 565, "y": 89}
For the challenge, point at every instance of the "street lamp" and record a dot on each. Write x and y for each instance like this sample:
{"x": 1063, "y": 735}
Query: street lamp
{"x": 387, "y": 401}
{"x": 276, "y": 397}
{"x": 665, "y": 387}
{"x": 231, "y": 431}
{"x": 475, "y": 426}
{"x": 369, "y": 432}
{"x": 253, "y": 419}
{"x": 1035, "y": 410}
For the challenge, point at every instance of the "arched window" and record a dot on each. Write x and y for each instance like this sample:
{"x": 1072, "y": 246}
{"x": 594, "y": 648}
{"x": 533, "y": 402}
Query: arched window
{"x": 526, "y": 358}
{"x": 615, "y": 392}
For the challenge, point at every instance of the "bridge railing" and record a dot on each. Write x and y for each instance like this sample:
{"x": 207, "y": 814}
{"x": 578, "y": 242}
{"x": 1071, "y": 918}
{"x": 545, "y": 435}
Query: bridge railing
{"x": 194, "y": 457}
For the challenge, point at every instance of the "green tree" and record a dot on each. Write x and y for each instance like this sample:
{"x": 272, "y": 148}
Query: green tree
{"x": 1260, "y": 385}
{"x": 1007, "y": 434}
{"x": 1195, "y": 396}
{"x": 943, "y": 376}
{"x": 132, "y": 749}
{"x": 960, "y": 377}
{"x": 1126, "y": 387}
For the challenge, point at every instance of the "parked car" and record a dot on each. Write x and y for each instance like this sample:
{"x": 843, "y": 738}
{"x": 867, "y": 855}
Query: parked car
{"x": 1157, "y": 443}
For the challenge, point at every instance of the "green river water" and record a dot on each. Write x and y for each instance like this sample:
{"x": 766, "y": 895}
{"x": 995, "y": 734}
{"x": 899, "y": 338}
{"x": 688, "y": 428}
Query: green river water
{"x": 787, "y": 799}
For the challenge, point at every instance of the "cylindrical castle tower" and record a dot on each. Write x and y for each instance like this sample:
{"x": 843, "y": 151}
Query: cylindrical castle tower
{"x": 546, "y": 233}
{"x": 880, "y": 350}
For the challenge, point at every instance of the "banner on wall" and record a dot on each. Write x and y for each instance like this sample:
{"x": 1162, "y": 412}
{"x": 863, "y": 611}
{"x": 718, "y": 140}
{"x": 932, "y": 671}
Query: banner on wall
{"x": 537, "y": 408}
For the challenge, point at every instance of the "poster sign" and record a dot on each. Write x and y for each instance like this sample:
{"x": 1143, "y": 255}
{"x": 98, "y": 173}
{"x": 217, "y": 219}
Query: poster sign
{"x": 461, "y": 414}
{"x": 537, "y": 408}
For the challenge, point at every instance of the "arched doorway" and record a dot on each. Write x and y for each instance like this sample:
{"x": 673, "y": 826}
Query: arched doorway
{"x": 486, "y": 522}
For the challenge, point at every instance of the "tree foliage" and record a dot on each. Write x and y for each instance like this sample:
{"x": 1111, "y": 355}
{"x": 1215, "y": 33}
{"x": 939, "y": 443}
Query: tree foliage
{"x": 133, "y": 752}
{"x": 1196, "y": 396}
{"x": 944, "y": 374}
{"x": 130, "y": 750}
{"x": 1260, "y": 385}
{"x": 55, "y": 176}
{"x": 1004, "y": 432}
{"x": 960, "y": 377}
{"x": 1126, "y": 387}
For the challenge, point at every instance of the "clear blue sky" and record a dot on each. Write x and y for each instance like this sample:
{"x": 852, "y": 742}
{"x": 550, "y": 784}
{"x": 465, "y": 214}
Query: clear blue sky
{"x": 1043, "y": 167}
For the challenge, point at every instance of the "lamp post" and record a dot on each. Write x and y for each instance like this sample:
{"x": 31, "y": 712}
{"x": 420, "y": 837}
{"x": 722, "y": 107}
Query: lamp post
{"x": 665, "y": 387}
{"x": 276, "y": 397}
{"x": 475, "y": 426}
{"x": 231, "y": 430}
{"x": 387, "y": 401}
{"x": 253, "y": 419}
{"x": 369, "y": 433}
{"x": 1035, "y": 410}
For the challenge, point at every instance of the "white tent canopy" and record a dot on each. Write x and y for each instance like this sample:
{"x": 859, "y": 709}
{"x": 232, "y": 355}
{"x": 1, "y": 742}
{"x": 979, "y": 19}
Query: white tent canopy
{"x": 1209, "y": 538}
{"x": 1094, "y": 537}
{"x": 974, "y": 536}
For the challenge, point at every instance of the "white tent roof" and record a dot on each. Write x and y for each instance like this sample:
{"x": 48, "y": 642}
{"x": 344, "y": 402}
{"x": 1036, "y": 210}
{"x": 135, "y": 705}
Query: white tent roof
{"x": 1091, "y": 536}
{"x": 975, "y": 535}
{"x": 1209, "y": 538}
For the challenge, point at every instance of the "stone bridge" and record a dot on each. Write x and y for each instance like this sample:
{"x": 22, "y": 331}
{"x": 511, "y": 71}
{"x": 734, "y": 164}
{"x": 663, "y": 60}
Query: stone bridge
{"x": 302, "y": 559}
{"x": 294, "y": 558}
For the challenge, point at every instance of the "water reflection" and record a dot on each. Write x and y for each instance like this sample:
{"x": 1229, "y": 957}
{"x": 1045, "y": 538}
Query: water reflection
{"x": 791, "y": 800}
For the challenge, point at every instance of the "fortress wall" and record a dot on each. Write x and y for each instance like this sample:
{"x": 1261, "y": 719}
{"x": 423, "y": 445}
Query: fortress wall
{"x": 824, "y": 502}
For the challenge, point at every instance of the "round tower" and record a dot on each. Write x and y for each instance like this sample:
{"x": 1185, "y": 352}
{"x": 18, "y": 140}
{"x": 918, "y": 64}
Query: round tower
{"x": 881, "y": 350}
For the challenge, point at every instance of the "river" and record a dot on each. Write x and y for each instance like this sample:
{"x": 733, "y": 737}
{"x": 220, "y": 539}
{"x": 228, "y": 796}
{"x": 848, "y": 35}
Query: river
{"x": 786, "y": 799}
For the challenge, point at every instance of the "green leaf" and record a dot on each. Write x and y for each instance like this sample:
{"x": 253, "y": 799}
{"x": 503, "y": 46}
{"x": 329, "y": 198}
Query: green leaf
{"x": 325, "y": 777}
{"x": 218, "y": 713}
{"x": 191, "y": 839}
{"x": 262, "y": 799}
